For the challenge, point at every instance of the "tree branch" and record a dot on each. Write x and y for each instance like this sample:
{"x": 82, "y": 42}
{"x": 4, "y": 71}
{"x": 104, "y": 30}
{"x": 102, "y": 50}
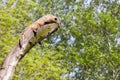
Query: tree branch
{"x": 26, "y": 42}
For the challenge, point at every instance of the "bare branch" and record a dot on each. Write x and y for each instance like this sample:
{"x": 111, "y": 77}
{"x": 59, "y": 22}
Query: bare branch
{"x": 27, "y": 40}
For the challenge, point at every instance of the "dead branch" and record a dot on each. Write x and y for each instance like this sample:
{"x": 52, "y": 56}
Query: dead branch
{"x": 28, "y": 39}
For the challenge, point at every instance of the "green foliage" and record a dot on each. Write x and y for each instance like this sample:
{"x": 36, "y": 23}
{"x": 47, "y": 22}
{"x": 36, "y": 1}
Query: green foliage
{"x": 86, "y": 47}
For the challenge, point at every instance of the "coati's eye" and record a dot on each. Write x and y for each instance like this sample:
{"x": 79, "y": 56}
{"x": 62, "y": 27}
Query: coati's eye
{"x": 55, "y": 18}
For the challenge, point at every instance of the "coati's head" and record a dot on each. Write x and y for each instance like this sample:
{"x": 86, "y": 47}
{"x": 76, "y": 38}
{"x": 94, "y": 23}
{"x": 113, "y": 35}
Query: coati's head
{"x": 50, "y": 19}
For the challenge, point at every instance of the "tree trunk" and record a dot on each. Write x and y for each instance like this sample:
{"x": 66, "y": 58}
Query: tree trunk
{"x": 26, "y": 42}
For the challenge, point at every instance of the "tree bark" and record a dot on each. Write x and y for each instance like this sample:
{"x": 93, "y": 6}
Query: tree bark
{"x": 25, "y": 43}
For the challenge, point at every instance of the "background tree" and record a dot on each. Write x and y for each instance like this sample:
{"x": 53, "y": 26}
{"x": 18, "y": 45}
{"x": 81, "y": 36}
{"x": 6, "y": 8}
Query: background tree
{"x": 87, "y": 46}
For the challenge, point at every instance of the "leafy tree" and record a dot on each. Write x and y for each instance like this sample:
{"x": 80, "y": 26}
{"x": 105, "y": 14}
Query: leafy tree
{"x": 86, "y": 47}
